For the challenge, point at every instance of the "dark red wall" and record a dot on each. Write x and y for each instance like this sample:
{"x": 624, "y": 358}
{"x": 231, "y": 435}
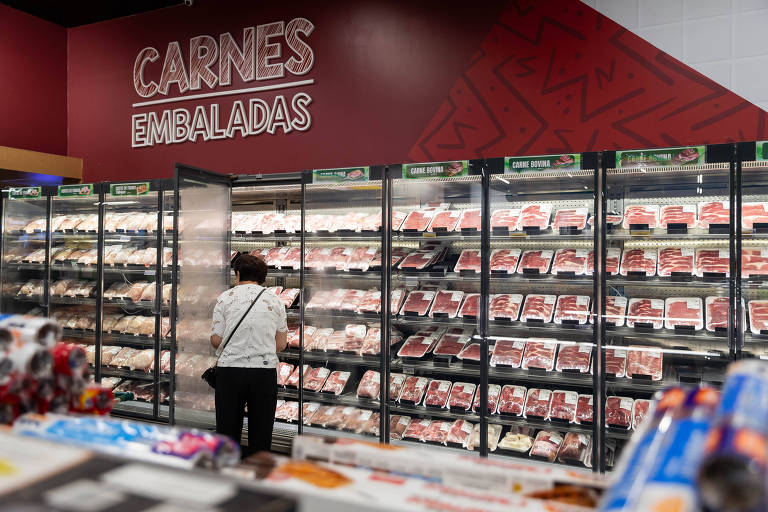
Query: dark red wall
{"x": 33, "y": 92}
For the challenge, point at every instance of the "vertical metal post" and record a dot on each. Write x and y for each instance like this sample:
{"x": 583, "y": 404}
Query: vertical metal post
{"x": 48, "y": 243}
{"x": 735, "y": 327}
{"x": 100, "y": 283}
{"x": 598, "y": 352}
{"x": 302, "y": 300}
{"x": 485, "y": 272}
{"x": 158, "y": 305}
{"x": 386, "y": 305}
{"x": 173, "y": 310}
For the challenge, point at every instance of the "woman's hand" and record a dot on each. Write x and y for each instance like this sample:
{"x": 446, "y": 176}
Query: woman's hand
{"x": 216, "y": 340}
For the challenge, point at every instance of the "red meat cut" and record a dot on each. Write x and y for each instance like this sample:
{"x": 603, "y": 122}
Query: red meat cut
{"x": 370, "y": 302}
{"x": 612, "y": 259}
{"x": 446, "y": 302}
{"x": 753, "y": 213}
{"x": 616, "y": 362}
{"x": 504, "y": 260}
{"x": 397, "y": 426}
{"x": 537, "y": 403}
{"x": 615, "y": 310}
{"x": 418, "y": 260}
{"x": 418, "y": 302}
{"x": 370, "y": 385}
{"x": 570, "y": 218}
{"x": 459, "y": 432}
{"x": 469, "y": 260}
{"x": 461, "y": 395}
{"x": 336, "y": 382}
{"x": 535, "y": 260}
{"x": 639, "y": 410}
{"x": 316, "y": 378}
{"x": 683, "y": 311}
{"x": 646, "y": 311}
{"x": 538, "y": 307}
{"x": 574, "y": 447}
{"x": 639, "y": 260}
{"x": 717, "y": 312}
{"x": 413, "y": 389}
{"x": 416, "y": 429}
{"x": 418, "y": 220}
{"x": 506, "y": 218}
{"x": 508, "y": 352}
{"x": 437, "y": 393}
{"x": 361, "y": 258}
{"x": 416, "y": 346}
{"x": 450, "y": 345}
{"x": 754, "y": 262}
{"x": 676, "y": 259}
{"x": 715, "y": 261}
{"x": 678, "y": 214}
{"x": 642, "y": 360}
{"x": 471, "y": 306}
{"x": 539, "y": 354}
{"x": 470, "y": 219}
{"x": 445, "y": 220}
{"x": 584, "y": 409}
{"x": 641, "y": 214}
{"x": 564, "y": 405}
{"x": 570, "y": 260}
{"x": 512, "y": 400}
{"x": 437, "y": 432}
{"x": 471, "y": 352}
{"x": 535, "y": 216}
{"x": 494, "y": 390}
{"x": 546, "y": 445}
{"x": 284, "y": 372}
{"x": 505, "y": 305}
{"x": 572, "y": 308}
{"x": 618, "y": 411}
{"x": 758, "y": 316}
{"x": 716, "y": 212}
{"x": 575, "y": 357}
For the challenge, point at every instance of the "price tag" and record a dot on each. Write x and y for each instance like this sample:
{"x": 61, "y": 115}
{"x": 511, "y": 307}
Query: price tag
{"x": 518, "y": 345}
{"x": 456, "y": 296}
{"x": 625, "y": 403}
{"x": 583, "y": 439}
{"x": 365, "y": 415}
{"x": 404, "y": 420}
{"x": 582, "y": 300}
{"x": 582, "y": 253}
{"x": 427, "y": 234}
{"x": 619, "y": 353}
{"x": 694, "y": 303}
{"x": 443, "y": 386}
{"x": 689, "y": 208}
{"x": 519, "y": 392}
{"x": 724, "y": 253}
{"x": 585, "y": 348}
{"x": 376, "y": 378}
{"x": 686, "y": 252}
{"x": 444, "y": 426}
{"x": 549, "y": 299}
{"x": 571, "y": 398}
{"x": 590, "y": 400}
{"x": 466, "y": 427}
{"x": 544, "y": 395}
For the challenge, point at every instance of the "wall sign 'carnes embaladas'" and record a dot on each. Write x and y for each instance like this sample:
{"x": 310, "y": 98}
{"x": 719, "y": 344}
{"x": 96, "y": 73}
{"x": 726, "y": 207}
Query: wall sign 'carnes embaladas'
{"x": 266, "y": 54}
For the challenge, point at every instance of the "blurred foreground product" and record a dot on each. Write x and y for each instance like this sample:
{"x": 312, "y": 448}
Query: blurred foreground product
{"x": 132, "y": 439}
{"x": 733, "y": 475}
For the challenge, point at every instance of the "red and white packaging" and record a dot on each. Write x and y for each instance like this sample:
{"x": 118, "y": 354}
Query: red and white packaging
{"x": 397, "y": 299}
{"x": 308, "y": 410}
{"x": 641, "y": 214}
{"x": 646, "y": 311}
{"x": 639, "y": 411}
{"x": 504, "y": 260}
{"x": 335, "y": 299}
{"x": 470, "y": 219}
{"x": 534, "y": 216}
{"x": 416, "y": 346}
{"x": 758, "y": 316}
{"x": 612, "y": 259}
{"x": 676, "y": 259}
{"x": 683, "y": 311}
{"x": 418, "y": 260}
{"x": 546, "y": 445}
{"x": 397, "y": 220}
{"x": 459, "y": 433}
{"x": 351, "y": 300}
{"x": 754, "y": 262}
{"x": 413, "y": 390}
{"x": 320, "y": 339}
{"x": 538, "y": 308}
{"x": 505, "y": 306}
{"x": 540, "y": 354}
{"x": 293, "y": 380}
{"x": 537, "y": 403}
{"x": 471, "y": 306}
{"x": 535, "y": 261}
{"x": 470, "y": 353}
{"x": 418, "y": 220}
{"x": 355, "y": 334}
{"x": 570, "y": 260}
{"x": 289, "y": 296}
{"x": 563, "y": 405}
{"x": 618, "y": 411}
{"x": 642, "y": 360}
{"x": 274, "y": 257}
{"x": 584, "y": 412}
{"x": 437, "y": 393}
{"x": 572, "y": 308}
{"x": 461, "y": 395}
{"x": 444, "y": 220}
{"x": 575, "y": 448}
{"x": 339, "y": 258}
{"x": 370, "y": 385}
{"x": 678, "y": 214}
{"x": 717, "y": 312}
{"x": 450, "y": 345}
{"x": 291, "y": 259}
{"x": 713, "y": 261}
{"x": 370, "y": 302}
{"x": 574, "y": 357}
{"x": 417, "y": 303}
{"x": 570, "y": 218}
{"x": 316, "y": 378}
{"x": 437, "y": 432}
{"x": 360, "y": 259}
{"x": 512, "y": 400}
{"x": 416, "y": 428}
{"x": 469, "y": 261}
{"x": 508, "y": 352}
{"x": 615, "y": 310}
{"x": 714, "y": 212}
{"x": 396, "y": 385}
{"x": 372, "y": 342}
{"x": 494, "y": 391}
{"x": 616, "y": 362}
{"x": 287, "y": 411}
{"x": 505, "y": 218}
{"x": 336, "y": 383}
{"x": 753, "y": 213}
{"x": 398, "y": 425}
{"x": 284, "y": 371}
{"x": 318, "y": 258}
{"x": 639, "y": 260}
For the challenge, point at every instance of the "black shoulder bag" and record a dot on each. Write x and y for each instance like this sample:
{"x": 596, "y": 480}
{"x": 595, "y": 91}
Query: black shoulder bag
{"x": 209, "y": 375}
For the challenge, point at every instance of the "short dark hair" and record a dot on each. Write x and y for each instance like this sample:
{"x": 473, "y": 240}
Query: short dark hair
{"x": 251, "y": 268}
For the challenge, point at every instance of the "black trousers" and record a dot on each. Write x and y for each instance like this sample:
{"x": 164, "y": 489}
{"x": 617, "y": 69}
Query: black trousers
{"x": 238, "y": 387}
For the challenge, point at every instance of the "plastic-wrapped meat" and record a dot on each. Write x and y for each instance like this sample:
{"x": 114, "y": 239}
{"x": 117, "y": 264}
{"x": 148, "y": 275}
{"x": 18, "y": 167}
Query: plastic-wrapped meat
{"x": 505, "y": 305}
{"x": 37, "y": 225}
{"x": 574, "y": 357}
{"x": 506, "y": 218}
{"x": 468, "y": 261}
{"x": 546, "y": 445}
{"x": 535, "y": 261}
{"x": 137, "y": 290}
{"x": 534, "y": 216}
{"x": 418, "y": 220}
{"x": 396, "y": 300}
{"x": 336, "y": 298}
{"x": 419, "y": 260}
{"x": 538, "y": 308}
{"x": 370, "y": 385}
{"x": 570, "y": 218}
{"x": 539, "y": 353}
{"x": 713, "y": 261}
{"x": 370, "y": 302}
{"x": 371, "y": 222}
{"x": 518, "y": 439}
{"x": 417, "y": 303}
{"x": 676, "y": 259}
{"x": 60, "y": 287}
{"x": 437, "y": 432}
{"x": 754, "y": 262}
{"x": 504, "y": 260}
{"x": 355, "y": 335}
{"x": 149, "y": 292}
{"x": 494, "y": 433}
{"x": 396, "y": 385}
{"x": 508, "y": 352}
{"x": 459, "y": 433}
{"x": 89, "y": 258}
{"x": 471, "y": 306}
{"x": 470, "y": 219}
{"x": 121, "y": 359}
{"x": 683, "y": 311}
{"x": 678, "y": 214}
{"x": 316, "y": 378}
{"x": 461, "y": 395}
{"x": 108, "y": 354}
{"x": 494, "y": 391}
{"x": 572, "y": 308}
{"x": 616, "y": 361}
{"x": 339, "y": 258}
{"x": 109, "y": 322}
{"x": 639, "y": 260}
{"x": 70, "y": 223}
{"x": 289, "y": 296}
{"x": 437, "y": 393}
{"x": 372, "y": 342}
{"x": 646, "y": 311}
{"x": 444, "y": 220}
{"x": 32, "y": 287}
{"x": 123, "y": 255}
{"x": 644, "y": 361}
{"x": 416, "y": 429}
{"x": 512, "y": 400}
{"x": 336, "y": 382}
{"x": 612, "y": 258}
{"x": 574, "y": 448}
{"x": 397, "y": 219}
{"x": 142, "y": 360}
{"x": 284, "y": 372}
{"x": 413, "y": 389}
{"x": 618, "y": 411}
{"x": 397, "y": 426}
{"x": 291, "y": 259}
{"x": 416, "y": 346}
{"x": 563, "y": 405}
{"x": 331, "y": 343}
{"x": 360, "y": 259}
{"x": 716, "y": 212}
{"x": 308, "y": 410}
{"x": 341, "y": 416}
{"x": 570, "y": 260}
{"x": 641, "y": 215}
{"x": 615, "y": 310}
{"x": 717, "y": 313}
{"x": 318, "y": 258}
{"x": 122, "y": 324}
{"x": 287, "y": 411}
{"x": 37, "y": 256}
{"x": 293, "y": 380}
{"x": 470, "y": 353}
{"x": 537, "y": 403}
{"x": 446, "y": 303}
{"x": 639, "y": 411}
{"x": 584, "y": 410}
{"x": 351, "y": 300}
{"x": 450, "y": 345}
{"x": 319, "y": 300}
{"x": 753, "y": 213}
{"x": 758, "y": 316}
{"x": 315, "y": 223}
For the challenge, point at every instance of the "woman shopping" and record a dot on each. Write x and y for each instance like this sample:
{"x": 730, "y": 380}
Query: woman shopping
{"x": 246, "y": 370}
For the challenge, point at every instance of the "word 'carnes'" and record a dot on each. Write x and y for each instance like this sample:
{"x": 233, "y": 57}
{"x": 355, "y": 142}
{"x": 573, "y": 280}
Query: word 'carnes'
{"x": 211, "y": 61}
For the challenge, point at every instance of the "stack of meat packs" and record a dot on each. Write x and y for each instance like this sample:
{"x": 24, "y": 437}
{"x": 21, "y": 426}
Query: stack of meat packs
{"x": 358, "y": 339}
{"x": 705, "y": 215}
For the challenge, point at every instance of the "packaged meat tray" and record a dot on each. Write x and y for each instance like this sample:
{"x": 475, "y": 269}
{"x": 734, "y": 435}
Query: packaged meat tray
{"x": 615, "y": 310}
{"x": 505, "y": 219}
{"x": 437, "y": 432}
{"x": 417, "y": 303}
{"x": 713, "y": 262}
{"x": 546, "y": 445}
{"x": 317, "y": 258}
{"x": 504, "y": 261}
{"x": 534, "y": 216}
{"x": 714, "y": 212}
{"x": 416, "y": 429}
{"x": 616, "y": 362}
{"x": 370, "y": 385}
{"x": 470, "y": 353}
{"x": 413, "y": 390}
{"x": 459, "y": 433}
{"x": 469, "y": 261}
{"x": 758, "y": 316}
{"x": 574, "y": 448}
{"x": 505, "y": 306}
{"x": 639, "y": 262}
{"x": 461, "y": 395}
{"x": 308, "y": 410}
{"x": 450, "y": 345}
{"x": 574, "y": 357}
{"x": 494, "y": 391}
{"x": 754, "y": 262}
{"x": 572, "y": 309}
{"x": 537, "y": 403}
{"x": 446, "y": 304}
{"x": 618, "y": 411}
{"x": 683, "y": 313}
{"x": 678, "y": 216}
{"x": 284, "y": 371}
{"x": 416, "y": 347}
{"x": 360, "y": 259}
{"x": 471, "y": 306}
{"x": 570, "y": 261}
{"x": 575, "y": 218}
{"x": 397, "y": 299}
{"x": 754, "y": 213}
{"x": 289, "y": 296}
{"x": 418, "y": 220}
{"x": 419, "y": 260}
{"x": 357, "y": 422}
{"x": 494, "y": 433}
{"x": 508, "y": 352}
{"x": 444, "y": 220}
{"x": 646, "y": 313}
{"x": 639, "y": 411}
{"x": 538, "y": 308}
{"x": 396, "y": 385}
{"x": 287, "y": 411}
{"x": 336, "y": 383}
{"x": 717, "y": 313}
{"x": 398, "y": 425}
{"x": 539, "y": 353}
{"x": 563, "y": 406}
{"x": 677, "y": 261}
{"x": 535, "y": 262}
{"x": 612, "y": 259}
{"x": 512, "y": 400}
{"x": 584, "y": 410}
{"x": 640, "y": 216}
{"x": 518, "y": 439}
{"x": 316, "y": 378}
{"x": 437, "y": 394}
{"x": 319, "y": 340}
{"x": 644, "y": 361}
{"x": 370, "y": 302}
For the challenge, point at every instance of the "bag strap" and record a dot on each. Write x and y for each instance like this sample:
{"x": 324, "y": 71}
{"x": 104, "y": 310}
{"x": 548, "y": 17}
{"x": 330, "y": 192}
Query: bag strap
{"x": 238, "y": 324}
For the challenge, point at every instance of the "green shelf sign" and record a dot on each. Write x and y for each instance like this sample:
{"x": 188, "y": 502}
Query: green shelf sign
{"x": 129, "y": 189}
{"x": 81, "y": 190}
{"x": 762, "y": 151}
{"x": 520, "y": 164}
{"x": 25, "y": 193}
{"x": 663, "y": 157}
{"x": 452, "y": 169}
{"x": 342, "y": 175}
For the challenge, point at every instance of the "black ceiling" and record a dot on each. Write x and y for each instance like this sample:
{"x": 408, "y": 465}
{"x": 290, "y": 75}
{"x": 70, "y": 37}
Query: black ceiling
{"x": 71, "y": 13}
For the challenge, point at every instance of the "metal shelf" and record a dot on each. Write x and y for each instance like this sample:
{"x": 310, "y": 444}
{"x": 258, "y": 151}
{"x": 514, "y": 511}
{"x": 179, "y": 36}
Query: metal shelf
{"x": 75, "y": 301}
{"x": 659, "y": 234}
{"x": 332, "y": 357}
{"x": 666, "y": 282}
{"x": 347, "y": 399}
